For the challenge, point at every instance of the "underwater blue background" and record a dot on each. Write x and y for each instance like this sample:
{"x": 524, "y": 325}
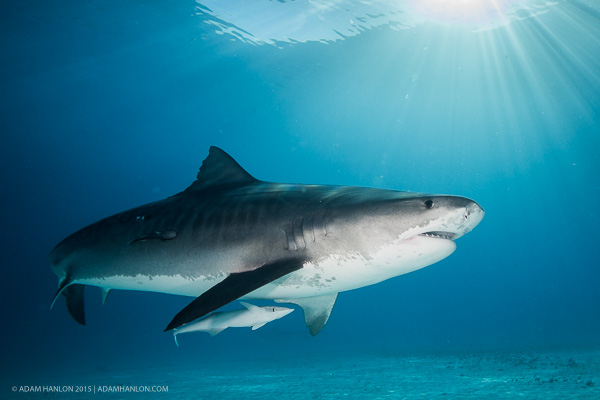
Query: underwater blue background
{"x": 110, "y": 105}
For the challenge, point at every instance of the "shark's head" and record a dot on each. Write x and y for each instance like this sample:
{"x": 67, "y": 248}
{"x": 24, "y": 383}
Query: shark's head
{"x": 401, "y": 215}
{"x": 394, "y": 233}
{"x": 434, "y": 224}
{"x": 428, "y": 225}
{"x": 277, "y": 312}
{"x": 435, "y": 216}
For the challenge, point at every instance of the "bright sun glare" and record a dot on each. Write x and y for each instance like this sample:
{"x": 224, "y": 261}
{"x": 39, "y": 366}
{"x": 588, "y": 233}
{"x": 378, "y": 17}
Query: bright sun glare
{"x": 477, "y": 12}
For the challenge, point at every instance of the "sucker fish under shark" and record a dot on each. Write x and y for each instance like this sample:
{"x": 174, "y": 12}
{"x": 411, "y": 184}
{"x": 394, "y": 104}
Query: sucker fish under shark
{"x": 250, "y": 316}
{"x": 230, "y": 236}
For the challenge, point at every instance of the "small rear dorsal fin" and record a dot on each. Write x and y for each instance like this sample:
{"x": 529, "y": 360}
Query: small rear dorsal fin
{"x": 220, "y": 169}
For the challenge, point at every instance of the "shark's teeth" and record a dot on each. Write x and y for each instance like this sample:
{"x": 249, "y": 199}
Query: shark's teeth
{"x": 439, "y": 235}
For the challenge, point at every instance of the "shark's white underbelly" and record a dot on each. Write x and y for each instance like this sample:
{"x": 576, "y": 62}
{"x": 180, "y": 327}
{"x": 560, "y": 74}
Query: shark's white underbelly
{"x": 333, "y": 274}
{"x": 339, "y": 273}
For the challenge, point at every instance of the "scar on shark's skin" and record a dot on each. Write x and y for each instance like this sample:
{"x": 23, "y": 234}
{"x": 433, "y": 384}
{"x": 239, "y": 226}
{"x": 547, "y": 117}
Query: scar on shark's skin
{"x": 230, "y": 236}
{"x": 162, "y": 235}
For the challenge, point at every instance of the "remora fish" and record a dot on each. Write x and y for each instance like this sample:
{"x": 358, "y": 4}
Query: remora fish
{"x": 231, "y": 236}
{"x": 252, "y": 315}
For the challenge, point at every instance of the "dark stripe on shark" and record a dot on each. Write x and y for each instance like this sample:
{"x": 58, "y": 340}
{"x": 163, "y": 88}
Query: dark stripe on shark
{"x": 233, "y": 287}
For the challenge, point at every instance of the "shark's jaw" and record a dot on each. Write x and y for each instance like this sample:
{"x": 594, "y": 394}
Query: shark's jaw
{"x": 439, "y": 235}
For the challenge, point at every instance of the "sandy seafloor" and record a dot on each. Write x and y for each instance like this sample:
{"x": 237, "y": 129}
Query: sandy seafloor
{"x": 554, "y": 374}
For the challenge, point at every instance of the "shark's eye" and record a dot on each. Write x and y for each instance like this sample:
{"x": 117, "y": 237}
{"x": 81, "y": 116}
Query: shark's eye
{"x": 428, "y": 204}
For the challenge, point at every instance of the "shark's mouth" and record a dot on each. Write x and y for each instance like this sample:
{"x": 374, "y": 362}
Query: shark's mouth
{"x": 439, "y": 235}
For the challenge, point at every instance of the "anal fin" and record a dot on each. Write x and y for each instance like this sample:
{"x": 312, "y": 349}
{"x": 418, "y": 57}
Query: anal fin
{"x": 233, "y": 287}
{"x": 105, "y": 292}
{"x": 316, "y": 310}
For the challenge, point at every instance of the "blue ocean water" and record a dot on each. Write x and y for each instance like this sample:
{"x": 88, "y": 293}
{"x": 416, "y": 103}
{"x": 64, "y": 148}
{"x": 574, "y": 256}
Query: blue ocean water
{"x": 110, "y": 105}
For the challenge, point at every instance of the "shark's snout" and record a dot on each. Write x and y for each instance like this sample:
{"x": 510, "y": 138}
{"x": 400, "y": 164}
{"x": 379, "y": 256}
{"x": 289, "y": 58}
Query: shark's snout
{"x": 283, "y": 311}
{"x": 457, "y": 217}
{"x": 474, "y": 214}
{"x": 474, "y": 208}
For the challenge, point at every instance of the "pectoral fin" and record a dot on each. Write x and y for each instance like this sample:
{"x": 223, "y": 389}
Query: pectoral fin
{"x": 233, "y": 287}
{"x": 316, "y": 310}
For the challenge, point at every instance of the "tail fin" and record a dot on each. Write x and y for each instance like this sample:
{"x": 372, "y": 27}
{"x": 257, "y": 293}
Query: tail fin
{"x": 73, "y": 293}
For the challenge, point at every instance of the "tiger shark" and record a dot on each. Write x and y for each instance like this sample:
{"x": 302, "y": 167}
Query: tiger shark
{"x": 230, "y": 236}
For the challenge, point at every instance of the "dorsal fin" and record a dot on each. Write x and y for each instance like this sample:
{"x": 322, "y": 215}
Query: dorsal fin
{"x": 220, "y": 169}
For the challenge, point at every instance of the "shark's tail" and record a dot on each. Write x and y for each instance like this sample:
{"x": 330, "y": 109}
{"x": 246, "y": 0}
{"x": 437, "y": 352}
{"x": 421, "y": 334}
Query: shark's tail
{"x": 73, "y": 293}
